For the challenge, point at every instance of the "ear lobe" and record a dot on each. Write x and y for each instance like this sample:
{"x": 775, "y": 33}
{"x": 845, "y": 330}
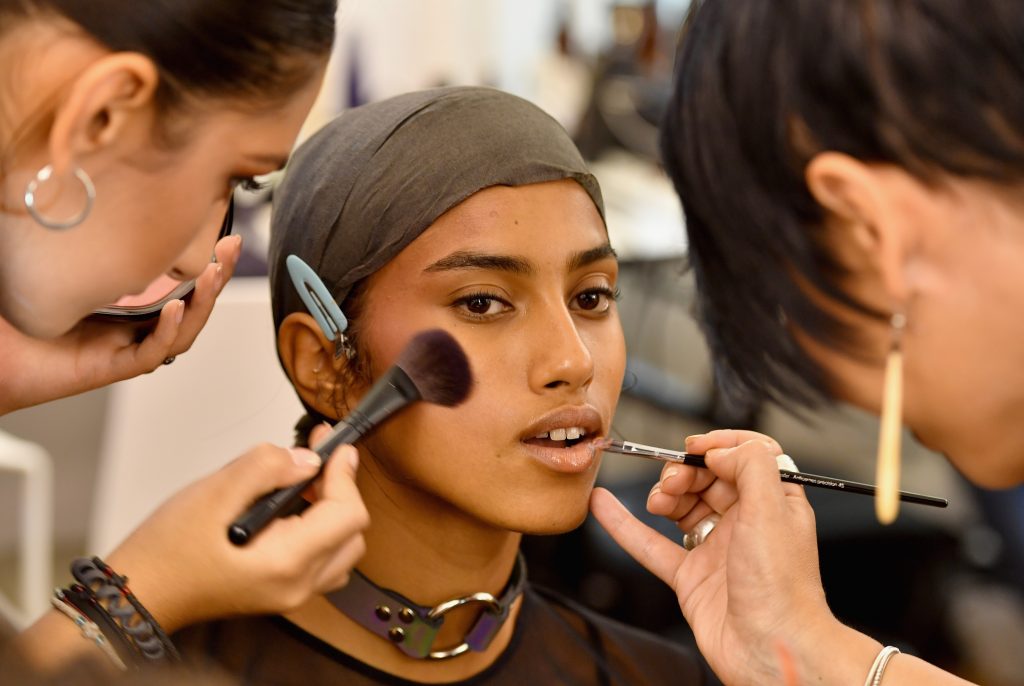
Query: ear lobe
{"x": 864, "y": 225}
{"x": 101, "y": 106}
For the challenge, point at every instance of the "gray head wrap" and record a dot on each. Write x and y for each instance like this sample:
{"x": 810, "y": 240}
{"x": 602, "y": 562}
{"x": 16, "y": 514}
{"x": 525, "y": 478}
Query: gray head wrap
{"x": 372, "y": 180}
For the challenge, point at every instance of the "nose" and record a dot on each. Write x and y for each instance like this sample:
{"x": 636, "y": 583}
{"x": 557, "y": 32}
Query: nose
{"x": 561, "y": 358}
{"x": 198, "y": 253}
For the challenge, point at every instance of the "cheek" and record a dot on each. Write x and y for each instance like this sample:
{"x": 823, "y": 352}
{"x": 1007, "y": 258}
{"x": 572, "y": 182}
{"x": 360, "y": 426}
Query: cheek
{"x": 607, "y": 345}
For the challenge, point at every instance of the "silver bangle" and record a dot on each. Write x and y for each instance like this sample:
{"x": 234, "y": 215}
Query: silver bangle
{"x": 879, "y": 665}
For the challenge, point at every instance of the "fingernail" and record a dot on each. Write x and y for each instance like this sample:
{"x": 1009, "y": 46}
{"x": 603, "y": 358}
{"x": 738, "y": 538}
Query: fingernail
{"x": 669, "y": 473}
{"x": 238, "y": 239}
{"x": 181, "y": 312}
{"x": 218, "y": 278}
{"x": 654, "y": 491}
{"x": 353, "y": 458}
{"x": 693, "y": 437}
{"x": 304, "y": 457}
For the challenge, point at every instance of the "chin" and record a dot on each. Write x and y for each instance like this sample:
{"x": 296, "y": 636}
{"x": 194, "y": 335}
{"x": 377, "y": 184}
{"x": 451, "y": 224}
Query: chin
{"x": 991, "y": 472}
{"x": 33, "y": 322}
{"x": 549, "y": 523}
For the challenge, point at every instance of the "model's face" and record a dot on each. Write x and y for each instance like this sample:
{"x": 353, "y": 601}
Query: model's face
{"x": 524, "y": 279}
{"x": 156, "y": 212}
{"x": 964, "y": 341}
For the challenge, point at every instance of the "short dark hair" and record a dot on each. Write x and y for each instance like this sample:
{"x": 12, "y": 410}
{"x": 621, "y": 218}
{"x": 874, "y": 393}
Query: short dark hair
{"x": 220, "y": 48}
{"x": 934, "y": 86}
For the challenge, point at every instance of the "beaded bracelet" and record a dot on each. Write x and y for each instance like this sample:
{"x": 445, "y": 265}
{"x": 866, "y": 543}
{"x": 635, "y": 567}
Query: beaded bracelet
{"x": 132, "y": 619}
{"x": 879, "y": 665}
{"x": 89, "y": 628}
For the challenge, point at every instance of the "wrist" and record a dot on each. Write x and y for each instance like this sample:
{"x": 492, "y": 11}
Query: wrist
{"x": 154, "y": 593}
{"x": 832, "y": 653}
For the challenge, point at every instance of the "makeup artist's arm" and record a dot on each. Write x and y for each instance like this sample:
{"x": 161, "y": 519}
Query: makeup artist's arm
{"x": 182, "y": 568}
{"x": 96, "y": 354}
{"x": 751, "y": 592}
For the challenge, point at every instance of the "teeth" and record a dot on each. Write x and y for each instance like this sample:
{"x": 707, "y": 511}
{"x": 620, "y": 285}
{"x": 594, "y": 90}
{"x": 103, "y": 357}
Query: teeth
{"x": 571, "y": 433}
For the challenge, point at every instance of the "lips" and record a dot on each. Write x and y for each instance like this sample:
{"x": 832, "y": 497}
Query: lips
{"x": 564, "y": 440}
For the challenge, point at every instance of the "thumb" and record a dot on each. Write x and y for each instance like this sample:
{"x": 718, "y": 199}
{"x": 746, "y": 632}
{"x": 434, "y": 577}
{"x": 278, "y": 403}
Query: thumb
{"x": 263, "y": 469}
{"x": 339, "y": 477}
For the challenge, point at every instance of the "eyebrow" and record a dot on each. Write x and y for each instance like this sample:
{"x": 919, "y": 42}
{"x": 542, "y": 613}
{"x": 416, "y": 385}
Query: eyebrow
{"x": 586, "y": 257}
{"x": 467, "y": 259}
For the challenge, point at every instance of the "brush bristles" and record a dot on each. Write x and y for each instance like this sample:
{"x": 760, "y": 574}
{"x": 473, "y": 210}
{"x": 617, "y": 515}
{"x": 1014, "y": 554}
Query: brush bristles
{"x": 435, "y": 362}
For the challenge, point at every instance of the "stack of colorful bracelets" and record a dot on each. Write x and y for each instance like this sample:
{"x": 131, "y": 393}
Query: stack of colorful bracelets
{"x": 101, "y": 605}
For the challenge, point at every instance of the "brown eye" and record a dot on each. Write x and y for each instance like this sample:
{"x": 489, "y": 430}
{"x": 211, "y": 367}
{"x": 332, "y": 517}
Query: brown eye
{"x": 589, "y": 300}
{"x": 478, "y": 305}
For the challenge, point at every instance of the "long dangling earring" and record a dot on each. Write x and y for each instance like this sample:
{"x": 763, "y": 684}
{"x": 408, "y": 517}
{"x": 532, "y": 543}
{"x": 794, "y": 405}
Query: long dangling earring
{"x": 887, "y": 477}
{"x": 44, "y": 175}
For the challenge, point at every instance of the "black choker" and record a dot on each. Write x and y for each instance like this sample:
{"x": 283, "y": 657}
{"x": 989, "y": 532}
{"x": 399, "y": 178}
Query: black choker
{"x": 413, "y": 628}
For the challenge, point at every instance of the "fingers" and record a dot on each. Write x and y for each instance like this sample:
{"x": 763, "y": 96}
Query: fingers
{"x": 156, "y": 347}
{"x": 687, "y": 495}
{"x": 752, "y": 467}
{"x": 261, "y": 470}
{"x": 332, "y": 527}
{"x": 681, "y": 489}
{"x": 725, "y": 438}
{"x": 659, "y": 555}
{"x": 208, "y": 286}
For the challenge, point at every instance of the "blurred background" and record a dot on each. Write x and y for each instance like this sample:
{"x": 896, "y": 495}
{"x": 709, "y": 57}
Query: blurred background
{"x": 78, "y": 474}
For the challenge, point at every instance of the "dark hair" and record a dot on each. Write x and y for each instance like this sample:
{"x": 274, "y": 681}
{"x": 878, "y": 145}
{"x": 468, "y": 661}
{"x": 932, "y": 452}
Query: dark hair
{"x": 934, "y": 86}
{"x": 221, "y": 48}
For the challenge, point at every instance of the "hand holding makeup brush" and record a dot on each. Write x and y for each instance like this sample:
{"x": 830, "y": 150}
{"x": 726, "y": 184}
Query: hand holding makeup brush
{"x": 754, "y": 579}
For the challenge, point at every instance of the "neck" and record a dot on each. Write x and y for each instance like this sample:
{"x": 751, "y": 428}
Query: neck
{"x": 426, "y": 550}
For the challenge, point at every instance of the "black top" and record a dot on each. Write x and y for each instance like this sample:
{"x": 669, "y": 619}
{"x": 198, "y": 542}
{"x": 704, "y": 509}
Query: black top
{"x": 555, "y": 642}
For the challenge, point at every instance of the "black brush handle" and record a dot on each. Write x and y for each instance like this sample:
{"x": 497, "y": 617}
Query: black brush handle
{"x": 288, "y": 500}
{"x": 803, "y": 478}
{"x": 392, "y": 392}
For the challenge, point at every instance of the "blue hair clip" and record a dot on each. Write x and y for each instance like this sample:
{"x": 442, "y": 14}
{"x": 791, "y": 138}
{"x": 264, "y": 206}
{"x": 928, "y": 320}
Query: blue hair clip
{"x": 320, "y": 304}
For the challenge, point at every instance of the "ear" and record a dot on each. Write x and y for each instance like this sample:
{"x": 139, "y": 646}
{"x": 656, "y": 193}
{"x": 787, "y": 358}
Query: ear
{"x": 865, "y": 228}
{"x": 309, "y": 360}
{"x": 103, "y": 102}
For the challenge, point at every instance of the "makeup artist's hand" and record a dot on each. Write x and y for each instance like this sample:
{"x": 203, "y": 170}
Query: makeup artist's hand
{"x": 751, "y": 591}
{"x": 182, "y": 567}
{"x": 95, "y": 354}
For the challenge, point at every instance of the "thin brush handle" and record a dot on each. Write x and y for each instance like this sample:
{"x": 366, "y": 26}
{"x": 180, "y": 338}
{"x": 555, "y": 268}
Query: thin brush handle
{"x": 831, "y": 483}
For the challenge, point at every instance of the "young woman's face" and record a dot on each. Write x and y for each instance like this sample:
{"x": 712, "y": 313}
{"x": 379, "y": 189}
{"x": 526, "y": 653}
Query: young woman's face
{"x": 524, "y": 279}
{"x": 157, "y": 212}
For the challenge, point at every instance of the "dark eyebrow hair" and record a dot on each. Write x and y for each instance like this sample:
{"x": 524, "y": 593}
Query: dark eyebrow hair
{"x": 585, "y": 257}
{"x": 465, "y": 259}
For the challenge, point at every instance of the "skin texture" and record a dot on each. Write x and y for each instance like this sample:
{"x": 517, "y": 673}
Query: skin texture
{"x": 158, "y": 209}
{"x": 947, "y": 255}
{"x": 450, "y": 490}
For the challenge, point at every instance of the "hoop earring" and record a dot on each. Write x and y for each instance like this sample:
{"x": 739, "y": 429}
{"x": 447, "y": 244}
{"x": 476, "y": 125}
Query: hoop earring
{"x": 887, "y": 474}
{"x": 44, "y": 175}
